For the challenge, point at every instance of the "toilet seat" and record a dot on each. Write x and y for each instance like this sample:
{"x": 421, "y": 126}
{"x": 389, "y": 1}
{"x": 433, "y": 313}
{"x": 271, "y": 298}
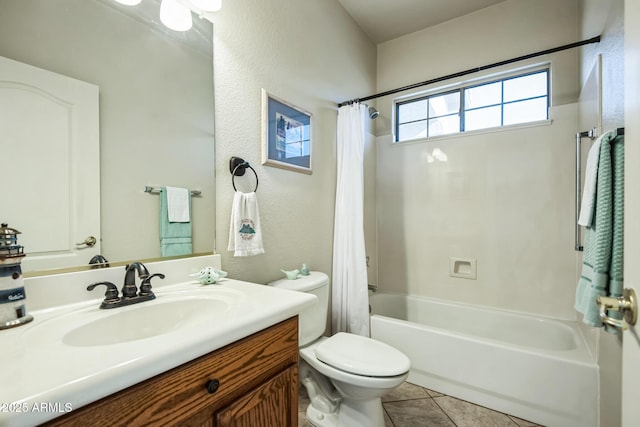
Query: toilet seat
{"x": 359, "y": 355}
{"x": 308, "y": 355}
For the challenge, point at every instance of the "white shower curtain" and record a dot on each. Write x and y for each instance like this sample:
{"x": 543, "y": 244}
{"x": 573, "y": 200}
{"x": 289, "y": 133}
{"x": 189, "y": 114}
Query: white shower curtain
{"x": 350, "y": 300}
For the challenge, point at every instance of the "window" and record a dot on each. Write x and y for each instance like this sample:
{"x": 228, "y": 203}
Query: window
{"x": 519, "y": 99}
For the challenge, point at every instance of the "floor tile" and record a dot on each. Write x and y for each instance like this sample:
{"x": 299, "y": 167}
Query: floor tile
{"x": 404, "y": 392}
{"x": 465, "y": 414}
{"x": 523, "y": 423}
{"x": 433, "y": 393}
{"x": 413, "y": 406}
{"x": 387, "y": 420}
{"x": 417, "y": 413}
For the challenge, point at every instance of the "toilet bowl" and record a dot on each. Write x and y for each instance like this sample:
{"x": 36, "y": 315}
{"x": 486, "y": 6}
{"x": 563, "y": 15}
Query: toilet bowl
{"x": 346, "y": 374}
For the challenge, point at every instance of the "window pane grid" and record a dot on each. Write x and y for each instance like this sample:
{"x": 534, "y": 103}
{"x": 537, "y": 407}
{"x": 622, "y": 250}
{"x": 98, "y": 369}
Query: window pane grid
{"x": 412, "y": 121}
{"x": 444, "y": 115}
{"x": 485, "y": 106}
{"x": 526, "y": 97}
{"x": 429, "y": 119}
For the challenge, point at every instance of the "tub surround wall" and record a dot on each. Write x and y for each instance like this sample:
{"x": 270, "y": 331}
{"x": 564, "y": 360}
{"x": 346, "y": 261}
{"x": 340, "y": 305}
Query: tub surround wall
{"x": 313, "y": 55}
{"x": 504, "y": 198}
{"x": 500, "y": 198}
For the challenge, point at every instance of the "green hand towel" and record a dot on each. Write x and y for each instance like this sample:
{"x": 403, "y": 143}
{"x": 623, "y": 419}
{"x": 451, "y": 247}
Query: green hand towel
{"x": 600, "y": 252}
{"x": 616, "y": 278}
{"x": 175, "y": 237}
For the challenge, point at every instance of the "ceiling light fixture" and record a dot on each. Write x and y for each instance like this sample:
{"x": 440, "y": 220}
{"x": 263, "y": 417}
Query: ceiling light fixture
{"x": 175, "y": 15}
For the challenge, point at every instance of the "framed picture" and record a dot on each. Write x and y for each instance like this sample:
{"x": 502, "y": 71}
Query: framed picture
{"x": 286, "y": 135}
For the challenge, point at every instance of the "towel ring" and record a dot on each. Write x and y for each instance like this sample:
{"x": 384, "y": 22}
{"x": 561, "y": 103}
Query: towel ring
{"x": 242, "y": 166}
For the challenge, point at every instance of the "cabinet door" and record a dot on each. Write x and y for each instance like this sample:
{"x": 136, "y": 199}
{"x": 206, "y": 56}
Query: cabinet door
{"x": 274, "y": 403}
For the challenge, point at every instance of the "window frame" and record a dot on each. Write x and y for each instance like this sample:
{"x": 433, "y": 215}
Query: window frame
{"x": 461, "y": 89}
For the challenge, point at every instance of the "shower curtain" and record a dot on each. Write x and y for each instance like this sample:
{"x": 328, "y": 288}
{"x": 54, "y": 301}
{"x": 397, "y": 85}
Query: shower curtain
{"x": 350, "y": 300}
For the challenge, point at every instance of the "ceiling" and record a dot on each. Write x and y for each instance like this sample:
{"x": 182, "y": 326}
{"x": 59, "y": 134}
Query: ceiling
{"x": 384, "y": 20}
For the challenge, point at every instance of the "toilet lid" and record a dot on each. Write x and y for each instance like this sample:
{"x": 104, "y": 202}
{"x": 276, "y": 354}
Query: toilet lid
{"x": 362, "y": 356}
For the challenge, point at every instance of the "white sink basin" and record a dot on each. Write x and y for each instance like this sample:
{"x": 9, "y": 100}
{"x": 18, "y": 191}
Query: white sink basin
{"x": 173, "y": 312}
{"x": 145, "y": 320}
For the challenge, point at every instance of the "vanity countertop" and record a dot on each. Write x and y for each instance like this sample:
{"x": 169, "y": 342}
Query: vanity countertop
{"x": 43, "y": 376}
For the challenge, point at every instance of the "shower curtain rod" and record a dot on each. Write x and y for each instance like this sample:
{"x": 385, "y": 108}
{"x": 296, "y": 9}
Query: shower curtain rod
{"x": 475, "y": 70}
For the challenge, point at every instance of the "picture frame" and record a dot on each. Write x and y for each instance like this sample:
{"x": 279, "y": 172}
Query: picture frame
{"x": 286, "y": 135}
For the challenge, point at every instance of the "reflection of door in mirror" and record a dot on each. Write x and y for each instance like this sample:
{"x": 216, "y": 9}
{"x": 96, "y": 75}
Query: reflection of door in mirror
{"x": 50, "y": 191}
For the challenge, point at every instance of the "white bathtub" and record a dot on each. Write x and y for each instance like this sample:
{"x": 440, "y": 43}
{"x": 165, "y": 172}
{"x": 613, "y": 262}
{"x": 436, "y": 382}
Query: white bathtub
{"x": 535, "y": 368}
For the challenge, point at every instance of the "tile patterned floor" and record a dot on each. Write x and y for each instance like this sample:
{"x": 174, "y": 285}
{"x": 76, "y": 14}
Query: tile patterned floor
{"x": 414, "y": 406}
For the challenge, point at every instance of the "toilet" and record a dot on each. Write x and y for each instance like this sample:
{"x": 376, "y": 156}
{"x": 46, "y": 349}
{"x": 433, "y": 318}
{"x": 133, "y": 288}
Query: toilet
{"x": 346, "y": 374}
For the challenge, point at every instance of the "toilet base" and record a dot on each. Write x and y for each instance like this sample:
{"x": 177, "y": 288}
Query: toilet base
{"x": 351, "y": 413}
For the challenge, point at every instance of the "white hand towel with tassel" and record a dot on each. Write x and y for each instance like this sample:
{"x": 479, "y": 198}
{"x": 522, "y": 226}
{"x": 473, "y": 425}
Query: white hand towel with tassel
{"x": 245, "y": 234}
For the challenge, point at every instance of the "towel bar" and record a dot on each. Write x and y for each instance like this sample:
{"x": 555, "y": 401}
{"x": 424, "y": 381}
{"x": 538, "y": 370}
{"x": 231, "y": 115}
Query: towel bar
{"x": 591, "y": 134}
{"x": 156, "y": 190}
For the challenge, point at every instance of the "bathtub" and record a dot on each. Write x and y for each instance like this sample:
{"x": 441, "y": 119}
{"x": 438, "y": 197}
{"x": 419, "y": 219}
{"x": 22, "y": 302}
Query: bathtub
{"x": 535, "y": 368}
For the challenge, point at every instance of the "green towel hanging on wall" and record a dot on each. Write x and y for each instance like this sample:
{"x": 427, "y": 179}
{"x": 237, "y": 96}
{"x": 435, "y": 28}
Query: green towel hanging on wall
{"x": 603, "y": 248}
{"x": 175, "y": 237}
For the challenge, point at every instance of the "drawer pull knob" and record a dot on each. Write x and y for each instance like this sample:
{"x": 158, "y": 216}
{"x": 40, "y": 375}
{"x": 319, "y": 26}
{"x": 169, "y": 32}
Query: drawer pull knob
{"x": 212, "y": 386}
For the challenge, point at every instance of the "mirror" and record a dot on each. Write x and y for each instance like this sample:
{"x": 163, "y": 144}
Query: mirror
{"x": 156, "y": 109}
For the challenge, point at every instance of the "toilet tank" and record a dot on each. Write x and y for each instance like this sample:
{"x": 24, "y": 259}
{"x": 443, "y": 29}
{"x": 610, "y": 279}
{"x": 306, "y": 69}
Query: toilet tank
{"x": 312, "y": 320}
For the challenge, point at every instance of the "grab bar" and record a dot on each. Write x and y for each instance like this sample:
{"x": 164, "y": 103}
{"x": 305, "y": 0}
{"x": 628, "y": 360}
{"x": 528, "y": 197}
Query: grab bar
{"x": 591, "y": 134}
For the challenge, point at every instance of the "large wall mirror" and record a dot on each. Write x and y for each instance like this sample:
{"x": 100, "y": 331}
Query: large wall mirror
{"x": 156, "y": 110}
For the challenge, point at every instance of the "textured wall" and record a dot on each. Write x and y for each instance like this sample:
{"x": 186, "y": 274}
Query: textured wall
{"x": 312, "y": 55}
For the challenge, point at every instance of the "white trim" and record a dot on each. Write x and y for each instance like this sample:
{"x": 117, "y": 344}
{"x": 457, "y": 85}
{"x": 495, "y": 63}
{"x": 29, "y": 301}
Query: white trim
{"x": 473, "y": 132}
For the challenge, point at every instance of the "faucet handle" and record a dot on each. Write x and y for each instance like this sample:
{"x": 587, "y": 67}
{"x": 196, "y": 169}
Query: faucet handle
{"x": 110, "y": 295}
{"x": 145, "y": 286}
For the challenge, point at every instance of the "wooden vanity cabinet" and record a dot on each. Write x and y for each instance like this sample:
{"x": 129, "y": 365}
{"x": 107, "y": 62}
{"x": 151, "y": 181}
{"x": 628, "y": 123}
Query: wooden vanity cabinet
{"x": 252, "y": 382}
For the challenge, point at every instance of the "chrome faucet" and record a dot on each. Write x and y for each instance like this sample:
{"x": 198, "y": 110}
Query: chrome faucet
{"x": 130, "y": 294}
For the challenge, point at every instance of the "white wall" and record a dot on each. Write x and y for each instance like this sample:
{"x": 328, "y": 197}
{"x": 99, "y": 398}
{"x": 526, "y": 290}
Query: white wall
{"x": 312, "y": 55}
{"x": 606, "y": 18}
{"x": 504, "y": 198}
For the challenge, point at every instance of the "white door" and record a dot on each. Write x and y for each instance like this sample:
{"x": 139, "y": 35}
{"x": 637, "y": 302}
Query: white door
{"x": 50, "y": 177}
{"x": 631, "y": 340}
